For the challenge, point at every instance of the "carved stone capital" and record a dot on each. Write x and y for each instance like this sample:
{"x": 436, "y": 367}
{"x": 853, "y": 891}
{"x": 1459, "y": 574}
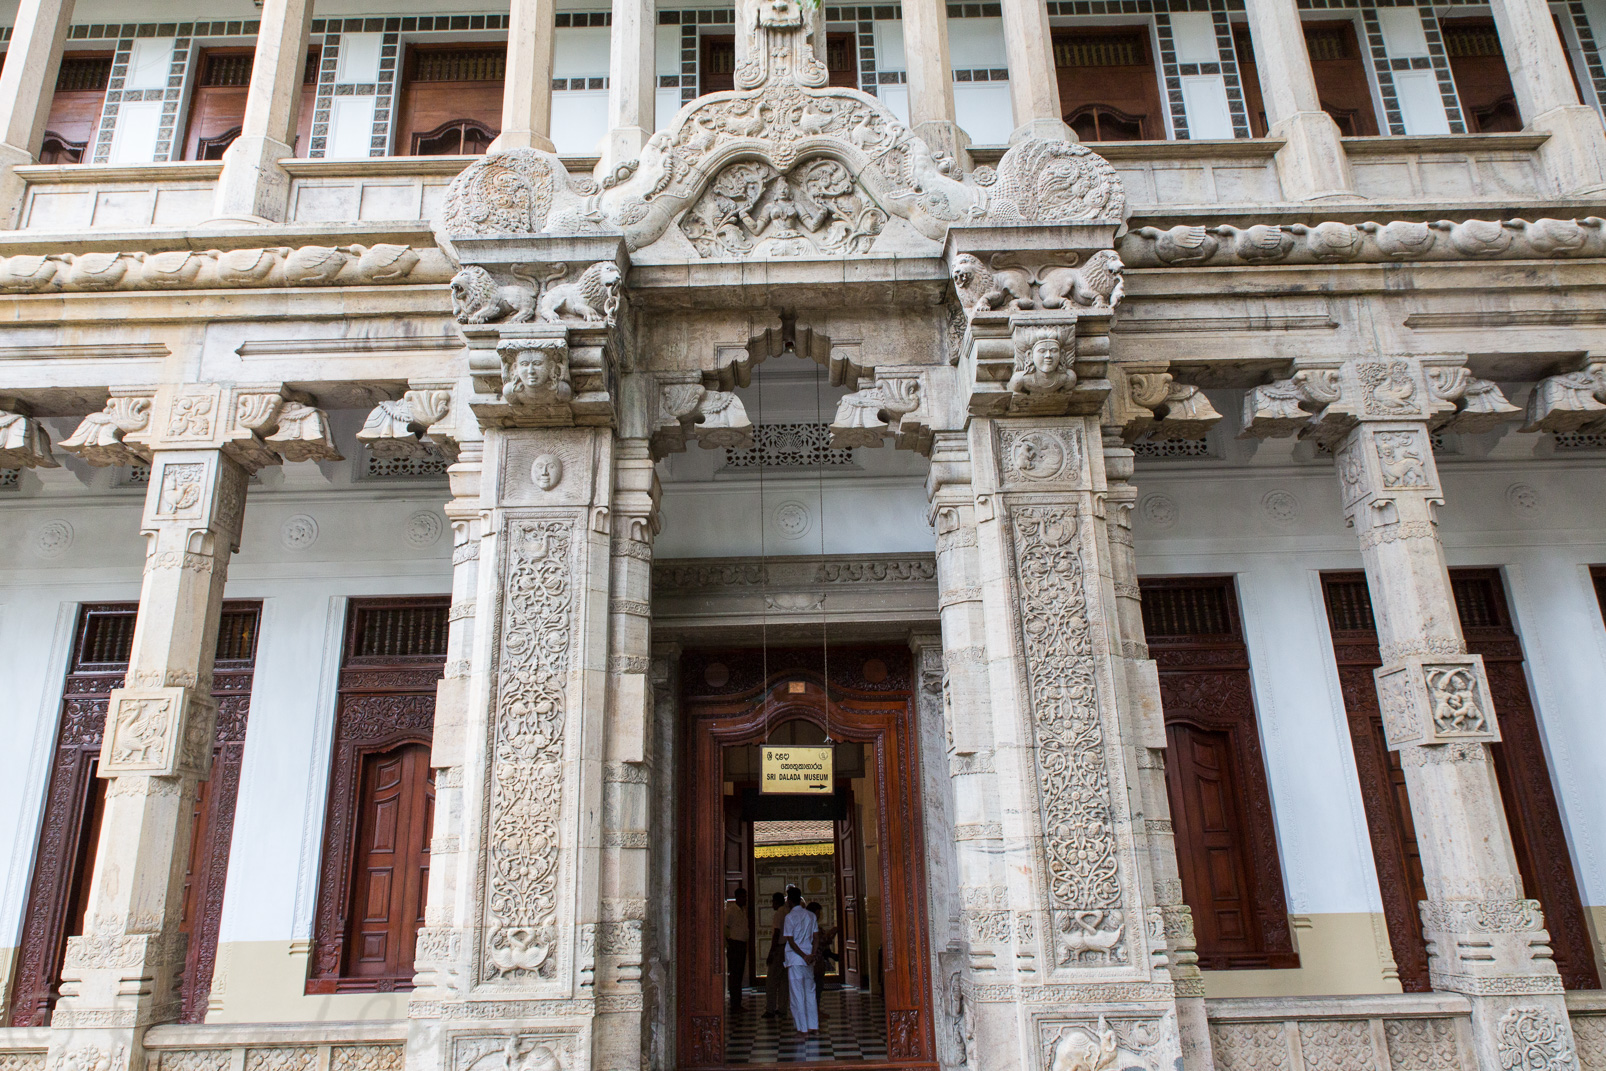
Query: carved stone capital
{"x": 542, "y": 374}
{"x": 255, "y": 425}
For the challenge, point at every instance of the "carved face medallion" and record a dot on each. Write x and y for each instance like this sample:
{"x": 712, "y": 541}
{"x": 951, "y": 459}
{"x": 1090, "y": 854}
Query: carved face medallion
{"x": 546, "y": 471}
{"x": 778, "y": 14}
{"x": 1046, "y": 355}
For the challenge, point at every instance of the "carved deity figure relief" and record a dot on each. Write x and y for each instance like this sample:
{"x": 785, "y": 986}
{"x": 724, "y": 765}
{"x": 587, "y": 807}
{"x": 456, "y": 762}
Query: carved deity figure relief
{"x": 546, "y": 471}
{"x": 1389, "y": 389}
{"x": 1399, "y": 456}
{"x": 516, "y": 1052}
{"x": 1455, "y": 700}
{"x": 1043, "y": 356}
{"x": 1037, "y": 455}
{"x": 750, "y": 208}
{"x": 535, "y": 371}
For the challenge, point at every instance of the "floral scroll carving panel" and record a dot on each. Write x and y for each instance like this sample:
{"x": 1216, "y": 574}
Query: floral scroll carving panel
{"x": 751, "y": 208}
{"x": 1090, "y": 926}
{"x": 523, "y": 861}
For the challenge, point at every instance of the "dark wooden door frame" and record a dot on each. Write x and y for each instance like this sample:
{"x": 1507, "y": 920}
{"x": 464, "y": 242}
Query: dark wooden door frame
{"x": 1205, "y": 685}
{"x": 385, "y": 701}
{"x": 1526, "y": 789}
{"x": 742, "y": 709}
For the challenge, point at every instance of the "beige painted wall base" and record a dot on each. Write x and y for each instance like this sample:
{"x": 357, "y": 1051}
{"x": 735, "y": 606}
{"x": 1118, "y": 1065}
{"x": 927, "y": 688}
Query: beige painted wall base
{"x": 265, "y": 982}
{"x": 1339, "y": 955}
{"x": 8, "y": 959}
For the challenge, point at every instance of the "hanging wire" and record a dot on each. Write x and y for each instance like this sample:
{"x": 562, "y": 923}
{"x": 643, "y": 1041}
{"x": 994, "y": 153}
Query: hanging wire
{"x": 819, "y": 486}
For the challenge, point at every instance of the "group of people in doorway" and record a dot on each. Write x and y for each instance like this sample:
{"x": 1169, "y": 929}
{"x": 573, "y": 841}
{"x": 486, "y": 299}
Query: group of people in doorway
{"x": 800, "y": 951}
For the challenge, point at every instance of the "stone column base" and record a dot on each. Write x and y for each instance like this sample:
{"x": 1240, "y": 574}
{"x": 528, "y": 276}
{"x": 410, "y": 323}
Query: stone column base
{"x": 1312, "y": 165}
{"x": 1575, "y": 155}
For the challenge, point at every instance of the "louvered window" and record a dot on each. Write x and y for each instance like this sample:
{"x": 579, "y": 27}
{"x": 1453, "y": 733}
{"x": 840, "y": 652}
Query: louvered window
{"x": 391, "y": 630}
{"x": 1464, "y": 41}
{"x": 460, "y": 65}
{"x": 228, "y": 69}
{"x": 1181, "y": 609}
{"x": 1099, "y": 50}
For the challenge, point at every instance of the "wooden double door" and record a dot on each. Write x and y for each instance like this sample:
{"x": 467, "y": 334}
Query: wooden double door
{"x": 862, "y": 695}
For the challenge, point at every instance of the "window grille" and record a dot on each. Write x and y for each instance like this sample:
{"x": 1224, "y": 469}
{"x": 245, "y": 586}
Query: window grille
{"x": 1199, "y": 607}
{"x": 789, "y": 446}
{"x": 1578, "y": 440}
{"x": 1479, "y": 599}
{"x": 378, "y": 468}
{"x": 1099, "y": 50}
{"x": 460, "y": 65}
{"x": 412, "y": 629}
{"x": 1349, "y": 605}
{"x": 84, "y": 74}
{"x": 1329, "y": 44}
{"x": 1170, "y": 449}
{"x": 1466, "y": 41}
{"x": 228, "y": 70}
{"x": 107, "y": 637}
{"x": 9, "y": 479}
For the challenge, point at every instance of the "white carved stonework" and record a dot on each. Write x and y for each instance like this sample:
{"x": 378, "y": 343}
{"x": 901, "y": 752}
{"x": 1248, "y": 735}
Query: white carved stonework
{"x": 687, "y": 411}
{"x": 24, "y": 444}
{"x": 1532, "y": 1037}
{"x": 521, "y": 895}
{"x": 1573, "y": 401}
{"x": 866, "y": 416}
{"x": 99, "y": 439}
{"x": 1002, "y": 284}
{"x": 1081, "y": 857}
{"x": 157, "y": 731}
{"x": 751, "y": 209}
{"x": 184, "y": 269}
{"x": 392, "y": 431}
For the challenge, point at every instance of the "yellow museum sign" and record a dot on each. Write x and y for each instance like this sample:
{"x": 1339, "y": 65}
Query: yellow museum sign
{"x": 797, "y": 770}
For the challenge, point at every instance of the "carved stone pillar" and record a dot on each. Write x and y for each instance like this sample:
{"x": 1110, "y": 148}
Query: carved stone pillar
{"x": 1034, "y": 88}
{"x": 632, "y": 80}
{"x": 1541, "y": 77}
{"x": 27, "y": 84}
{"x": 1484, "y": 938}
{"x": 1169, "y": 922}
{"x": 931, "y": 79}
{"x": 201, "y": 441}
{"x": 979, "y": 960}
{"x": 527, "y": 91}
{"x": 253, "y": 187}
{"x": 536, "y": 961}
{"x": 439, "y": 954}
{"x": 625, "y": 937}
{"x": 1079, "y": 950}
{"x": 1312, "y": 164}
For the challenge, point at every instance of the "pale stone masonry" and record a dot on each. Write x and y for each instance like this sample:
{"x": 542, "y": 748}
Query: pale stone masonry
{"x": 1022, "y": 327}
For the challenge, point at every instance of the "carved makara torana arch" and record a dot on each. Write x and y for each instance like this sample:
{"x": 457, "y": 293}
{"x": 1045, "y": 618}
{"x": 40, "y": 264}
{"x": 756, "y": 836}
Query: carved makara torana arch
{"x": 608, "y": 324}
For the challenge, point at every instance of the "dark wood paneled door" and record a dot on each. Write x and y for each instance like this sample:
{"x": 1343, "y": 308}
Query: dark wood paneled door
{"x": 1526, "y": 790}
{"x": 738, "y": 697}
{"x": 391, "y": 869}
{"x": 1226, "y": 836}
{"x": 850, "y": 895}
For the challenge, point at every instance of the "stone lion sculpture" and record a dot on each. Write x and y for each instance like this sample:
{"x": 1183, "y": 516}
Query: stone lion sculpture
{"x": 981, "y": 287}
{"x": 1098, "y": 282}
{"x": 592, "y": 298}
{"x": 477, "y": 298}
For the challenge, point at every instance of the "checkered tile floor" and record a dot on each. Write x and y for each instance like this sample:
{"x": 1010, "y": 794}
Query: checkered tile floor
{"x": 855, "y": 1030}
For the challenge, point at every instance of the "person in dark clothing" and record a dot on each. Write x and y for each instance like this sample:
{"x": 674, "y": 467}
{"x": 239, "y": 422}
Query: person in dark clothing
{"x": 737, "y": 938}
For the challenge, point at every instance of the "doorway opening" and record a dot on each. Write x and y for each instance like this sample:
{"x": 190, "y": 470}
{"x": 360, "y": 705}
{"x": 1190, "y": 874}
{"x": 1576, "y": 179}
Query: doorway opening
{"x": 851, "y": 849}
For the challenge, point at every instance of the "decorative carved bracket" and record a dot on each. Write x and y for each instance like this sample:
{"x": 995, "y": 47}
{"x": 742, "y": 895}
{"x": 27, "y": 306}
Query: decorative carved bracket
{"x": 1570, "y": 402}
{"x": 688, "y": 411}
{"x": 24, "y": 444}
{"x": 1154, "y": 403}
{"x": 256, "y": 426}
{"x": 1325, "y": 400}
{"x": 411, "y": 427}
{"x": 889, "y": 407}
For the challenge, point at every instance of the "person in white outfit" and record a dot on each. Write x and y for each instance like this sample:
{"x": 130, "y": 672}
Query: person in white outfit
{"x": 798, "y": 933}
